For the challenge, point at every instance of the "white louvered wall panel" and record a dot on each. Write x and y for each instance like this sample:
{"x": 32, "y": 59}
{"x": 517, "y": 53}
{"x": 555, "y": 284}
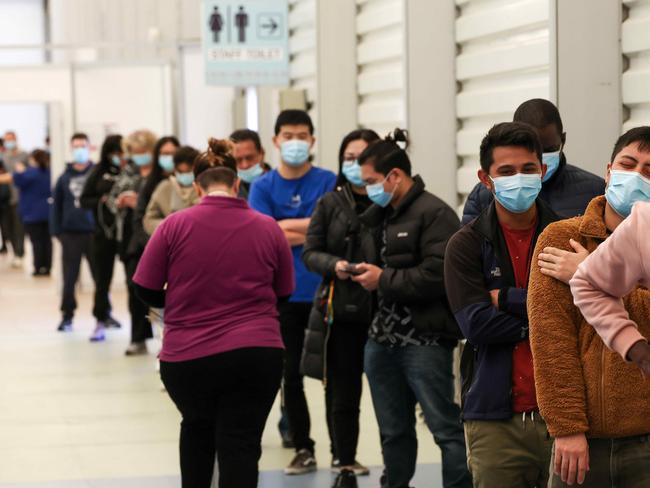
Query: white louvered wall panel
{"x": 380, "y": 59}
{"x": 636, "y": 48}
{"x": 302, "y": 46}
{"x": 503, "y": 60}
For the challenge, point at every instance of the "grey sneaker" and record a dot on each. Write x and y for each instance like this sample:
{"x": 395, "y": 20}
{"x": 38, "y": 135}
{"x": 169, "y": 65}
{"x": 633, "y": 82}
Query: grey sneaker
{"x": 304, "y": 462}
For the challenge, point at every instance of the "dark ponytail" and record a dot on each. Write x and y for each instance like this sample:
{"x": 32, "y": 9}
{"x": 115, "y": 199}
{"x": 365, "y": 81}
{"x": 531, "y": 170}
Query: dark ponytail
{"x": 389, "y": 153}
{"x": 216, "y": 165}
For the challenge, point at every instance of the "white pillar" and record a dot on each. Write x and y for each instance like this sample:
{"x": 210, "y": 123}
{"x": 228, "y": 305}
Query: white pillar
{"x": 336, "y": 77}
{"x": 588, "y": 78}
{"x": 431, "y": 94}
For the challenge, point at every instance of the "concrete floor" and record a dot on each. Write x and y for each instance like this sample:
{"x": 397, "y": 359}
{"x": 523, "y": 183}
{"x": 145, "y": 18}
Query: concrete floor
{"x": 77, "y": 414}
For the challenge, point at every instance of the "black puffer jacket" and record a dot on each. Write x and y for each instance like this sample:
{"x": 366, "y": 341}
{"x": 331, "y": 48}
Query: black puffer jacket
{"x": 336, "y": 233}
{"x": 98, "y": 185}
{"x": 416, "y": 233}
{"x": 568, "y": 193}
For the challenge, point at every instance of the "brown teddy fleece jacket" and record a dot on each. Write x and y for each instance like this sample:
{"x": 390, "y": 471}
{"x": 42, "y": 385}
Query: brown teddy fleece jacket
{"x": 582, "y": 386}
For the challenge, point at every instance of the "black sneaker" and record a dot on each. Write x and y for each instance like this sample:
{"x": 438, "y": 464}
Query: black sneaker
{"x": 304, "y": 462}
{"x": 358, "y": 468}
{"x": 65, "y": 325}
{"x": 111, "y": 323}
{"x": 346, "y": 479}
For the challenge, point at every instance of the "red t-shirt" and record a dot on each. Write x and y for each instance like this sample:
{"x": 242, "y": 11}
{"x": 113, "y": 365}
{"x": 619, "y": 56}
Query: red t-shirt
{"x": 524, "y": 398}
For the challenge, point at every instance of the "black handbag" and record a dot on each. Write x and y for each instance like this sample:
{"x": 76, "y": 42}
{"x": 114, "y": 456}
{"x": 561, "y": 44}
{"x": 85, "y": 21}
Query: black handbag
{"x": 321, "y": 317}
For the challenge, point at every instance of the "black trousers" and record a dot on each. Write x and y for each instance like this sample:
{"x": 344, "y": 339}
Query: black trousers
{"x": 75, "y": 247}
{"x": 105, "y": 251}
{"x": 140, "y": 325}
{"x": 225, "y": 401}
{"x": 344, "y": 385}
{"x": 39, "y": 235}
{"x": 293, "y": 322}
{"x": 12, "y": 225}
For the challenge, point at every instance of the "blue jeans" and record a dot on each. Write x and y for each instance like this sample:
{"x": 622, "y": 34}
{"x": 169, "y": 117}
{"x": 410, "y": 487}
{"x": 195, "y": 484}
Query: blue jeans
{"x": 400, "y": 377}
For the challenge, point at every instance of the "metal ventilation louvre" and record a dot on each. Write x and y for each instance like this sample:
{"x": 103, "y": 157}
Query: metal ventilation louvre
{"x": 636, "y": 50}
{"x": 302, "y": 47}
{"x": 380, "y": 60}
{"x": 503, "y": 60}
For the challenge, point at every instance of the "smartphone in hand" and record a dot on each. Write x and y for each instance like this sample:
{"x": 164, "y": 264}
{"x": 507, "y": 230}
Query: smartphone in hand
{"x": 351, "y": 269}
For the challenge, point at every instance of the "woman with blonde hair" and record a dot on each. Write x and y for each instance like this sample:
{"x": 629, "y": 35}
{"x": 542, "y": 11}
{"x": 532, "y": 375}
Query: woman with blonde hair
{"x": 122, "y": 200}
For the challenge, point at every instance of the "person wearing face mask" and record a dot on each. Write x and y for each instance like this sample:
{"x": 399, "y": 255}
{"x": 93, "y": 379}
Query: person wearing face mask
{"x": 123, "y": 201}
{"x": 566, "y": 189}
{"x": 219, "y": 269}
{"x": 289, "y": 195}
{"x": 73, "y": 225}
{"x": 249, "y": 154}
{"x": 487, "y": 264}
{"x": 34, "y": 183}
{"x": 175, "y": 193}
{"x": 334, "y": 353}
{"x": 409, "y": 354}
{"x": 94, "y": 197}
{"x": 12, "y": 223}
{"x": 596, "y": 442}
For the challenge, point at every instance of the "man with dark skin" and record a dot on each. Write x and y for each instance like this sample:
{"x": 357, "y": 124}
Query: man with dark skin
{"x": 566, "y": 189}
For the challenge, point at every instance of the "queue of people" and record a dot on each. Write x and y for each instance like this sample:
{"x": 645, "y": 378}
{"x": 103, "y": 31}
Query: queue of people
{"x": 269, "y": 275}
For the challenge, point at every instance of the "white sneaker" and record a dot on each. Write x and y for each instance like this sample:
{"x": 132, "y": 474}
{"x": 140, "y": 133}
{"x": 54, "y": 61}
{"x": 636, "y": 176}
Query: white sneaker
{"x": 17, "y": 263}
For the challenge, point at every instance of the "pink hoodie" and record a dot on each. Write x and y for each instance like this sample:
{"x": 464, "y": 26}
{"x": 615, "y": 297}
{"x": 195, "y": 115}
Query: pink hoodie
{"x": 611, "y": 272}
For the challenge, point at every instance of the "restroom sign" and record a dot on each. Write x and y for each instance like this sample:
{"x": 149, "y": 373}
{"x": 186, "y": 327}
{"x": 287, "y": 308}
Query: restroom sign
{"x": 246, "y": 42}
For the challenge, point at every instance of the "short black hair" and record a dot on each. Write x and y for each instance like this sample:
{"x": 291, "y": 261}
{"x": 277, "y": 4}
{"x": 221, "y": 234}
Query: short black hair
{"x": 79, "y": 135}
{"x": 293, "y": 117}
{"x": 185, "y": 155}
{"x": 386, "y": 154}
{"x": 539, "y": 113}
{"x": 637, "y": 134}
{"x": 243, "y": 135}
{"x": 516, "y": 134}
{"x": 367, "y": 135}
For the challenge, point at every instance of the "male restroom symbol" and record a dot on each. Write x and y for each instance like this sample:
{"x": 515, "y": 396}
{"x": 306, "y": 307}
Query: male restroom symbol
{"x": 241, "y": 22}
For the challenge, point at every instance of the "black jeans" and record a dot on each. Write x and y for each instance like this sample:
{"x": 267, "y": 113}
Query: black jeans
{"x": 75, "y": 247}
{"x": 39, "y": 235}
{"x": 12, "y": 224}
{"x": 225, "y": 400}
{"x": 104, "y": 250}
{"x": 344, "y": 384}
{"x": 140, "y": 325}
{"x": 293, "y": 322}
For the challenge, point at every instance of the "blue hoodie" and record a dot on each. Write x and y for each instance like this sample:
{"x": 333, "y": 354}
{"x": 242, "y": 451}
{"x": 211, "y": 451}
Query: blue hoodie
{"x": 68, "y": 216}
{"x": 35, "y": 193}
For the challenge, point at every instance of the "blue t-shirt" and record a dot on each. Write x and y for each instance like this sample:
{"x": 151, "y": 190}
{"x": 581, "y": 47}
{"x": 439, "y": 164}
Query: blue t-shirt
{"x": 283, "y": 199}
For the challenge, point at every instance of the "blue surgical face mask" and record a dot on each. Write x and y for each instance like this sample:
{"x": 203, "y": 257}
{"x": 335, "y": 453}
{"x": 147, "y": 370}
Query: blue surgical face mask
{"x": 625, "y": 189}
{"x": 185, "y": 179}
{"x": 141, "y": 160}
{"x": 379, "y": 195}
{"x": 517, "y": 193}
{"x": 166, "y": 162}
{"x": 552, "y": 162}
{"x": 251, "y": 174}
{"x": 11, "y": 145}
{"x": 294, "y": 152}
{"x": 116, "y": 160}
{"x": 352, "y": 171}
{"x": 80, "y": 155}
